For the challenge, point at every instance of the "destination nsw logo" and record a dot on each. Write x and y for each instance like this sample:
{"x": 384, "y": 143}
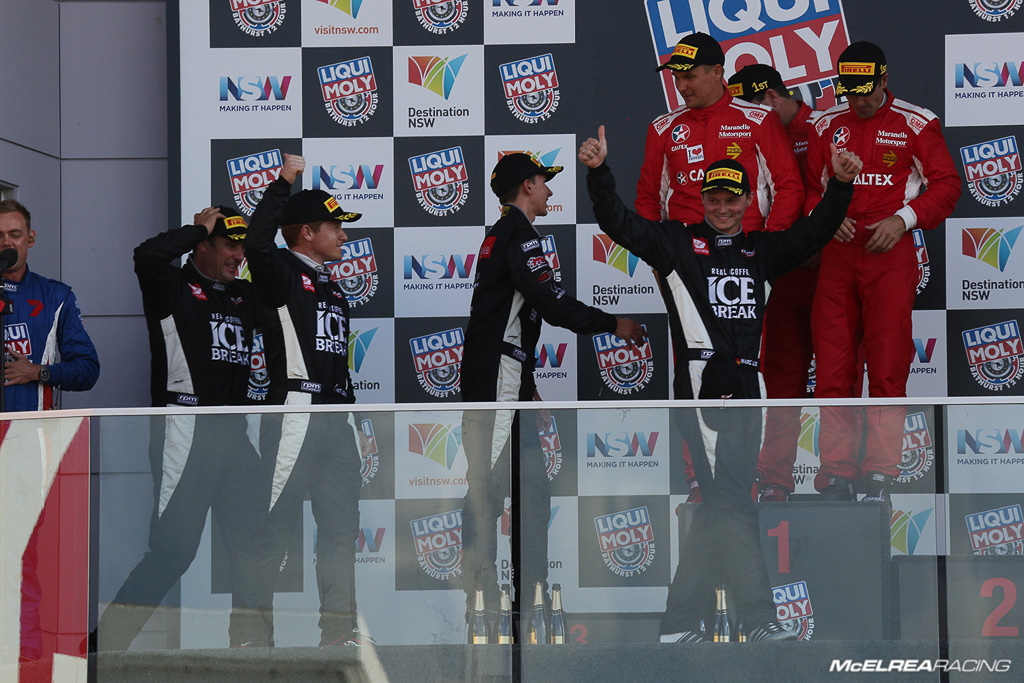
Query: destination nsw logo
{"x": 258, "y": 17}
{"x": 356, "y": 272}
{"x": 438, "y": 543}
{"x": 994, "y": 354}
{"x": 437, "y": 442}
{"x": 250, "y": 175}
{"x": 436, "y": 74}
{"x": 440, "y": 180}
{"x": 990, "y": 245}
{"x": 626, "y": 541}
{"x": 437, "y": 358}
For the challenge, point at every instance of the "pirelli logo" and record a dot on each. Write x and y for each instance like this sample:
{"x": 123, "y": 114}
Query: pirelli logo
{"x": 687, "y": 51}
{"x": 856, "y": 68}
{"x": 736, "y": 90}
{"x": 726, "y": 174}
{"x": 232, "y": 222}
{"x": 331, "y": 203}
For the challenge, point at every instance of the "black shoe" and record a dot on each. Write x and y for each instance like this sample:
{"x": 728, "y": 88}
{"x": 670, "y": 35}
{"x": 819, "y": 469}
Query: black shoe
{"x": 878, "y": 487}
{"x": 771, "y": 632}
{"x": 838, "y": 490}
{"x": 683, "y": 637}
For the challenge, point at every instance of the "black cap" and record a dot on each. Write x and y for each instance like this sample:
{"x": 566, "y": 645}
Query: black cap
{"x": 231, "y": 226}
{"x": 310, "y": 206}
{"x": 695, "y": 49}
{"x": 861, "y": 66}
{"x": 513, "y": 169}
{"x": 726, "y": 175}
{"x": 752, "y": 81}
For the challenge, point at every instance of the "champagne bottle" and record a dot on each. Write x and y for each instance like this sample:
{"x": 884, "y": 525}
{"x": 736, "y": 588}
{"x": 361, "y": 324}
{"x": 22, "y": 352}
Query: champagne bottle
{"x": 741, "y": 635}
{"x": 721, "y": 617}
{"x": 504, "y": 627}
{"x": 478, "y": 622}
{"x": 538, "y": 631}
{"x": 557, "y": 616}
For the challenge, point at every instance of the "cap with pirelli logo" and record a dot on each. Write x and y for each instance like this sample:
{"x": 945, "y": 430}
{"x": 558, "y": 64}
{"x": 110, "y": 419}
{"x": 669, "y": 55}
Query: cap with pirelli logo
{"x": 695, "y": 49}
{"x": 726, "y": 175}
{"x": 310, "y": 206}
{"x": 860, "y": 69}
{"x": 232, "y": 225}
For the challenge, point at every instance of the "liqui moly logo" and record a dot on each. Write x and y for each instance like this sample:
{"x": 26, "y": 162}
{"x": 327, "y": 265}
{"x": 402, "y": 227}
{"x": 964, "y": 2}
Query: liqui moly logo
{"x": 793, "y": 608}
{"x": 551, "y": 446}
{"x": 370, "y": 464}
{"x": 356, "y": 272}
{"x": 259, "y": 376}
{"x": 801, "y": 39}
{"x": 547, "y": 245}
{"x": 997, "y": 532}
{"x": 531, "y": 88}
{"x": 257, "y": 18}
{"x": 995, "y": 10}
{"x": 924, "y": 269}
{"x": 625, "y": 368}
{"x": 440, "y": 180}
{"x": 438, "y": 543}
{"x": 438, "y": 361}
{"x": 18, "y": 339}
{"x": 993, "y": 170}
{"x": 626, "y": 541}
{"x": 441, "y": 16}
{"x": 250, "y": 175}
{"x": 349, "y": 90}
{"x": 994, "y": 353}
{"x": 918, "y": 451}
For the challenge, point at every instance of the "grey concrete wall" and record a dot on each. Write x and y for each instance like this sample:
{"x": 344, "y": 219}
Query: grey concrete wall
{"x": 83, "y": 138}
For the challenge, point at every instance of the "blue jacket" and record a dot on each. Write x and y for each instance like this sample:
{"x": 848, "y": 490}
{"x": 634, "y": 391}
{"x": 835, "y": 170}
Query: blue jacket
{"x": 45, "y": 324}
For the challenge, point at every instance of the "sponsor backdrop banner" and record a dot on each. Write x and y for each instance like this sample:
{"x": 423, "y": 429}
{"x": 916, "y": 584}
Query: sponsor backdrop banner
{"x": 402, "y": 108}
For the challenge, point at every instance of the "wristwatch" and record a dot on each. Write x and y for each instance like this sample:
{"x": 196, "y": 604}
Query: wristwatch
{"x": 44, "y": 374}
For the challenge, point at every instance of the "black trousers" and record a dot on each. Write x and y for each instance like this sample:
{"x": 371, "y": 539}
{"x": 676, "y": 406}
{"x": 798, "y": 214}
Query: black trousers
{"x": 723, "y": 543}
{"x": 198, "y": 462}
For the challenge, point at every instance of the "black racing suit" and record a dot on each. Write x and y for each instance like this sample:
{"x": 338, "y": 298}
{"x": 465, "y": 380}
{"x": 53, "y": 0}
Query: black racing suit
{"x": 200, "y": 335}
{"x": 307, "y": 351}
{"x": 716, "y": 287}
{"x": 515, "y": 289}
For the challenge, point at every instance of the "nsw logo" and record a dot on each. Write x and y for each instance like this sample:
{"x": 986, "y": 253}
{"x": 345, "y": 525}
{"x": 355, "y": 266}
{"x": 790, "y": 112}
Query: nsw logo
{"x": 635, "y": 449}
{"x": 441, "y": 16}
{"x": 994, "y": 353}
{"x": 918, "y": 450}
{"x": 551, "y": 446}
{"x": 625, "y": 369}
{"x": 438, "y": 543}
{"x": 258, "y": 17}
{"x": 254, "y": 88}
{"x": 356, "y": 272}
{"x": 531, "y": 88}
{"x": 250, "y": 175}
{"x": 436, "y": 74}
{"x": 439, "y": 267}
{"x": 370, "y": 456}
{"x": 370, "y": 541}
{"x": 793, "y": 608}
{"x": 993, "y": 170}
{"x": 437, "y": 442}
{"x": 997, "y": 532}
{"x": 440, "y": 180}
{"x": 626, "y": 541}
{"x": 349, "y": 90}
{"x": 438, "y": 361}
{"x": 990, "y": 245}
{"x": 995, "y": 10}
{"x": 616, "y": 256}
{"x": 924, "y": 269}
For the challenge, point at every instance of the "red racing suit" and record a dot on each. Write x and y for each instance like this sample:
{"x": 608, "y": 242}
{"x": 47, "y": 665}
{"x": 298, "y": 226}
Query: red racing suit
{"x": 787, "y": 352}
{"x": 682, "y": 143}
{"x": 869, "y": 297}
